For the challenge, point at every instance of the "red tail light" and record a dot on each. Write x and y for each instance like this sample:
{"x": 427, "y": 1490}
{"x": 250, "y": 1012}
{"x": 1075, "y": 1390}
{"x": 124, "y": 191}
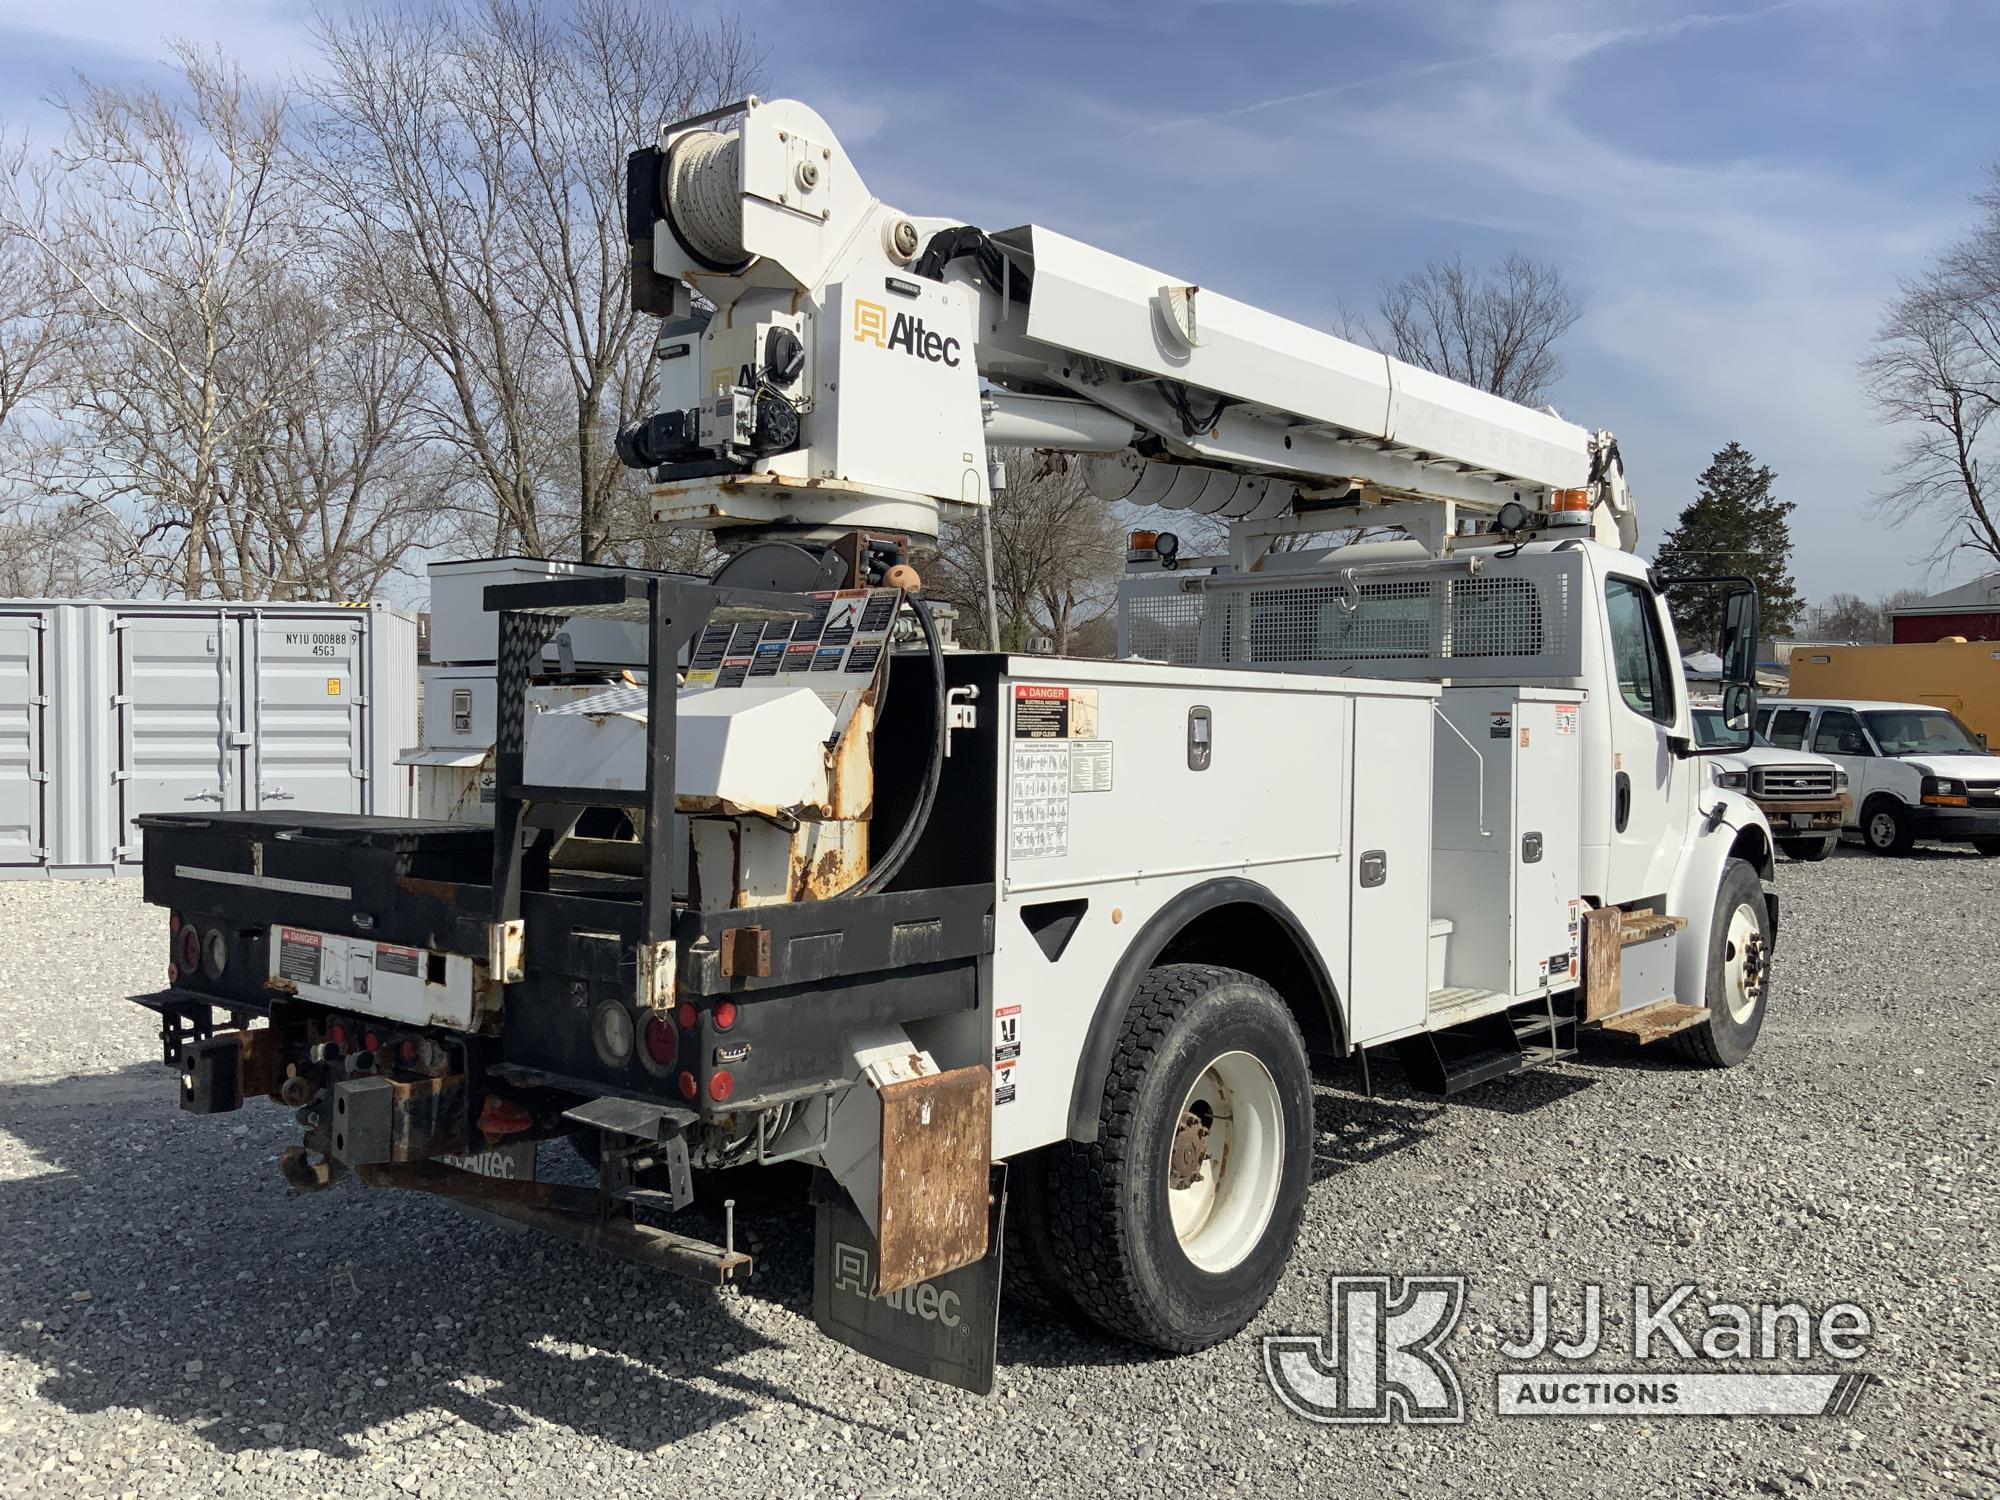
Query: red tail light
{"x": 662, "y": 1046}
{"x": 688, "y": 1015}
{"x": 188, "y": 960}
{"x": 337, "y": 1034}
{"x": 720, "y": 1085}
{"x": 725, "y": 1014}
{"x": 689, "y": 1088}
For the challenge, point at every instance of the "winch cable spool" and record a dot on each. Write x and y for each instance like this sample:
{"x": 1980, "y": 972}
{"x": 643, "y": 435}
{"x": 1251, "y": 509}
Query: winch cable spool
{"x": 703, "y": 199}
{"x": 898, "y": 853}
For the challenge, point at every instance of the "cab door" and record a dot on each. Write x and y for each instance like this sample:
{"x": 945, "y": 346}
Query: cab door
{"x": 1840, "y": 737}
{"x": 1649, "y": 783}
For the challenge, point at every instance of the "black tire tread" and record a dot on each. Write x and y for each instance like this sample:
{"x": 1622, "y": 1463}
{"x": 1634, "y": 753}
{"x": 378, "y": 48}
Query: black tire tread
{"x": 1085, "y": 1179}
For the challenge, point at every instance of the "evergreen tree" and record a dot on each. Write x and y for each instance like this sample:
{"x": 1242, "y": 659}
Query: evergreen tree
{"x": 1734, "y": 526}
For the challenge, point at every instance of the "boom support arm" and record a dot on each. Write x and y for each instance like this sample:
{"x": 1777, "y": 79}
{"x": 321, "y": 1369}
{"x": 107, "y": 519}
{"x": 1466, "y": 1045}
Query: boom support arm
{"x": 851, "y": 364}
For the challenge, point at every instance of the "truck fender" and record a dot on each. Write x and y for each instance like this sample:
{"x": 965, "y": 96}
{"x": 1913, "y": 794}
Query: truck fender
{"x": 1732, "y": 827}
{"x": 1318, "y": 1012}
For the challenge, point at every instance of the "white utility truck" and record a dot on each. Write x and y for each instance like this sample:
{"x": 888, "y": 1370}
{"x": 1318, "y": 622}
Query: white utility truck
{"x": 1011, "y": 950}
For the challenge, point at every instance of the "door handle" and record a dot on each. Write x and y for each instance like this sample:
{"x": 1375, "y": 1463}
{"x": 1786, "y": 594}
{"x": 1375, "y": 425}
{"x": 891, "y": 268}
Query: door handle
{"x": 279, "y": 794}
{"x": 203, "y": 797}
{"x": 1622, "y": 802}
{"x": 1374, "y": 868}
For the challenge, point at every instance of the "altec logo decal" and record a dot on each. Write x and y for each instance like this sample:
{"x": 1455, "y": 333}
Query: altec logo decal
{"x": 872, "y": 326}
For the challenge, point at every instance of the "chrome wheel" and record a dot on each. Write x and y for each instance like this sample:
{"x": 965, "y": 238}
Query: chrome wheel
{"x": 1226, "y": 1162}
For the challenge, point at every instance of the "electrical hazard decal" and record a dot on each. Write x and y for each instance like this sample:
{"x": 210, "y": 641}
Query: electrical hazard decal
{"x": 1048, "y": 711}
{"x": 1565, "y": 718}
{"x": 299, "y": 956}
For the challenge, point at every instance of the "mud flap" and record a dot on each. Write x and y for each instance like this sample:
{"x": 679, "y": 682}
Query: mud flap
{"x": 946, "y": 1329}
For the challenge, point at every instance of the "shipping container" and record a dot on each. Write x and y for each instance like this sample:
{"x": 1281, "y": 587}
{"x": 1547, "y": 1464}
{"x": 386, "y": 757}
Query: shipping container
{"x": 113, "y": 709}
{"x": 1962, "y": 676}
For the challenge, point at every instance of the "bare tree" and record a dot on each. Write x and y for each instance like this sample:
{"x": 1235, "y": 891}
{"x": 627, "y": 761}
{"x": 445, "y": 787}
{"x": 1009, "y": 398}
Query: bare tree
{"x": 1496, "y": 330}
{"x": 1057, "y": 554}
{"x": 475, "y": 156}
{"x": 226, "y": 421}
{"x": 1935, "y": 371}
{"x": 36, "y": 315}
{"x": 1849, "y": 617}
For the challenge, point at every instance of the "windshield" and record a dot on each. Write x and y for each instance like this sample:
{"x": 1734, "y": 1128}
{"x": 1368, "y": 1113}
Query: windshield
{"x": 1913, "y": 731}
{"x": 1712, "y": 732}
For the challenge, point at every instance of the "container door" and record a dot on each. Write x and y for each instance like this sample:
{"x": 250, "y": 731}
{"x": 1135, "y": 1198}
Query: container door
{"x": 304, "y": 707}
{"x": 175, "y": 708}
{"x": 22, "y": 775}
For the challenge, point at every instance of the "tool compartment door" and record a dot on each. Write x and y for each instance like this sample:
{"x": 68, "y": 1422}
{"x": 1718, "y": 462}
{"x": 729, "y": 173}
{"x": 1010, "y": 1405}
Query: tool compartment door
{"x": 305, "y": 709}
{"x": 21, "y": 771}
{"x": 1390, "y": 866}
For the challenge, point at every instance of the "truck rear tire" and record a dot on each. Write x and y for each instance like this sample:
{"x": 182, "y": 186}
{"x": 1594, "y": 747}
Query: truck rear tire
{"x": 1809, "y": 851}
{"x": 1173, "y": 1227}
{"x": 1739, "y": 957}
{"x": 1886, "y": 827}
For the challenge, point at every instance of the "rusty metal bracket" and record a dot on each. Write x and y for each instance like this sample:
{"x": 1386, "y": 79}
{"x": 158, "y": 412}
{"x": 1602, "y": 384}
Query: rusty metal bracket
{"x": 746, "y": 952}
{"x": 505, "y": 944}
{"x": 655, "y": 979}
{"x": 937, "y": 1147}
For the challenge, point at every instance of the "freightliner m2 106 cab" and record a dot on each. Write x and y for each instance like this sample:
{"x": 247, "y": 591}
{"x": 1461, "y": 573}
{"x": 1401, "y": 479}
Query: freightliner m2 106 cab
{"x": 1013, "y": 951}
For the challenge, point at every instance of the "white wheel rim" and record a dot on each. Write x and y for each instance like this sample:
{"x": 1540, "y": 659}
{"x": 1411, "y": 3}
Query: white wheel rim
{"x": 1882, "y": 830}
{"x": 1743, "y": 960}
{"x": 1221, "y": 1214}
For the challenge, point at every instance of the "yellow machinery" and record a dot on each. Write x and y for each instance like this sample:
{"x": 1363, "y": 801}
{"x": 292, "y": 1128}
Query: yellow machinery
{"x": 1960, "y": 675}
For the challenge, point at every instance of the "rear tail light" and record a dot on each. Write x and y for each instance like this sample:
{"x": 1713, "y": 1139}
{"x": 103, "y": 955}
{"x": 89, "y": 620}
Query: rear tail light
{"x": 720, "y": 1085}
{"x": 688, "y": 1015}
{"x": 187, "y": 952}
{"x": 689, "y": 1088}
{"x": 725, "y": 1014}
{"x": 663, "y": 1047}
{"x": 337, "y": 1034}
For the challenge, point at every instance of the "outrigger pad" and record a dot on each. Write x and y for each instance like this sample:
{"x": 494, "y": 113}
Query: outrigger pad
{"x": 946, "y": 1329}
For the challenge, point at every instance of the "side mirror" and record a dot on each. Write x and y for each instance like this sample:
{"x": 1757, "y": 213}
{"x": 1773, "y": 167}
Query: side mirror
{"x": 1737, "y": 648}
{"x": 1739, "y": 707}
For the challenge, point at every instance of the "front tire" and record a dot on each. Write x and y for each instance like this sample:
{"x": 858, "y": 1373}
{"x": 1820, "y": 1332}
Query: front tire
{"x": 1887, "y": 828}
{"x": 1173, "y": 1226}
{"x": 1739, "y": 957}
{"x": 1808, "y": 851}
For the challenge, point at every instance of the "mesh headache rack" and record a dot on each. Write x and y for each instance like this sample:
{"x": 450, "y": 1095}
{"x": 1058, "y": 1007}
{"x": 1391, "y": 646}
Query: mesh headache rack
{"x": 1464, "y": 618}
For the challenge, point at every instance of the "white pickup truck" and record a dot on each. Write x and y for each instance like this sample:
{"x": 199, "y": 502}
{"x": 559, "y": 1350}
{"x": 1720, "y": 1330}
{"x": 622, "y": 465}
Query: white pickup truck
{"x": 1804, "y": 795}
{"x": 1916, "y": 771}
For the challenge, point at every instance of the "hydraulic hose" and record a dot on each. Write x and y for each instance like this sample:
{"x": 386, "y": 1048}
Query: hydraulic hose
{"x": 898, "y": 853}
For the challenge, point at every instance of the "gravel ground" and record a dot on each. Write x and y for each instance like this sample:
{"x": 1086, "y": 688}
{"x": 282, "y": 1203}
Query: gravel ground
{"x": 172, "y": 1322}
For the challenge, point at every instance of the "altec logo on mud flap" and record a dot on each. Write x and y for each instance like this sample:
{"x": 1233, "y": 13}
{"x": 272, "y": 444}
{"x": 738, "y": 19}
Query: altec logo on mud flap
{"x": 872, "y": 326}
{"x": 850, "y": 1274}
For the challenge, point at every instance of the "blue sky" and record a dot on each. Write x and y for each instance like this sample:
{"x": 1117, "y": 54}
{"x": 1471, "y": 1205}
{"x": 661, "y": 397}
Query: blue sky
{"x": 1734, "y": 188}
